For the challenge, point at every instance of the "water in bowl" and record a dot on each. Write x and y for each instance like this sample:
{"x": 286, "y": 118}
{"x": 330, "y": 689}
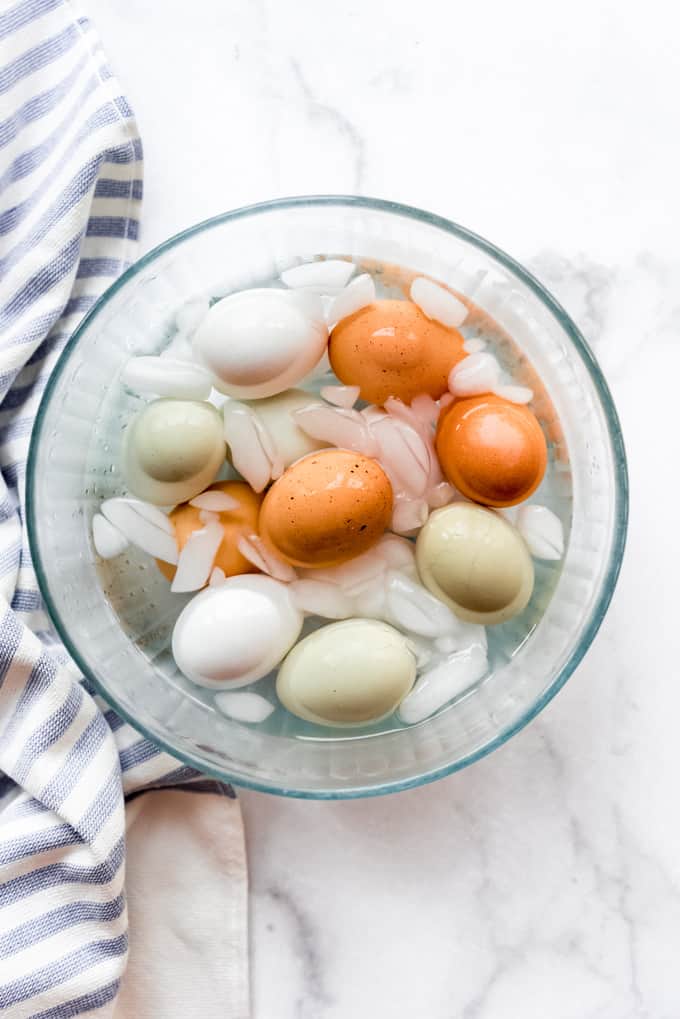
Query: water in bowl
{"x": 147, "y": 610}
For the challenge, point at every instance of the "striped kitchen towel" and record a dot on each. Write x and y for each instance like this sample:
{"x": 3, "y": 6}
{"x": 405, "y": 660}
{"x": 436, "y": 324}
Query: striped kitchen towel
{"x": 70, "y": 191}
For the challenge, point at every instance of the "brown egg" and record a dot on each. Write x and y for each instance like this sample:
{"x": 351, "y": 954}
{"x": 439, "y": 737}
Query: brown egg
{"x": 237, "y": 522}
{"x": 493, "y": 451}
{"x": 327, "y": 508}
{"x": 391, "y": 348}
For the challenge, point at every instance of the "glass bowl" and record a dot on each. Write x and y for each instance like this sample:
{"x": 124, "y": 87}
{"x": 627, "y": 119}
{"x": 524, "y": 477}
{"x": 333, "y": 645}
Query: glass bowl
{"x": 117, "y": 629}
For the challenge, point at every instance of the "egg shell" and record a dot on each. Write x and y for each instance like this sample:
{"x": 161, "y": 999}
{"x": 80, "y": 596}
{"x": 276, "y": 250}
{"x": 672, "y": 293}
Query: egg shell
{"x": 172, "y": 450}
{"x": 349, "y": 673}
{"x": 238, "y": 522}
{"x": 233, "y": 634}
{"x": 326, "y": 508}
{"x": 391, "y": 348}
{"x": 476, "y": 562}
{"x": 491, "y": 450}
{"x": 259, "y": 342}
{"x": 276, "y": 415}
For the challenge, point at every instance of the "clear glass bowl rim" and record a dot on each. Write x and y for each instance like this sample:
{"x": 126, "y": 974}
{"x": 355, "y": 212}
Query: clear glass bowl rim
{"x": 581, "y": 347}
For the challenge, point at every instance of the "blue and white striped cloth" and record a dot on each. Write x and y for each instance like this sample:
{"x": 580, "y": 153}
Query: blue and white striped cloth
{"x": 70, "y": 190}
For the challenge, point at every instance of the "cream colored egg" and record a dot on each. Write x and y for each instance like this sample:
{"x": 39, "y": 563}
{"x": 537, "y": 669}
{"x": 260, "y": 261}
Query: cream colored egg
{"x": 173, "y": 449}
{"x": 475, "y": 562}
{"x": 276, "y": 416}
{"x": 349, "y": 673}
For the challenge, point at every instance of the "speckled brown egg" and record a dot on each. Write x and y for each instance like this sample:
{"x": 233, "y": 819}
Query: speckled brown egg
{"x": 327, "y": 508}
{"x": 493, "y": 451}
{"x": 391, "y": 348}
{"x": 237, "y": 522}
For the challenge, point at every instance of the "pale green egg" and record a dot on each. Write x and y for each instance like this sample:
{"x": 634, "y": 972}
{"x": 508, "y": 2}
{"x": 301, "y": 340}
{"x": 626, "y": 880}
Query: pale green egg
{"x": 476, "y": 562}
{"x": 173, "y": 450}
{"x": 349, "y": 673}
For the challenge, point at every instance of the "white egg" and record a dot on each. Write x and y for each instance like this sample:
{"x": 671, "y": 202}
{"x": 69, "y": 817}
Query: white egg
{"x": 349, "y": 673}
{"x": 234, "y": 633}
{"x": 276, "y": 416}
{"x": 259, "y": 342}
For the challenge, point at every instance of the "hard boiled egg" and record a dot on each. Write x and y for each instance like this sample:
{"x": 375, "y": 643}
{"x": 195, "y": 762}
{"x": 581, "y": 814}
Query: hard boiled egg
{"x": 235, "y": 633}
{"x": 259, "y": 342}
{"x": 238, "y": 520}
{"x": 276, "y": 415}
{"x": 327, "y": 508}
{"x": 172, "y": 450}
{"x": 391, "y": 348}
{"x": 475, "y": 562}
{"x": 349, "y": 673}
{"x": 493, "y": 451}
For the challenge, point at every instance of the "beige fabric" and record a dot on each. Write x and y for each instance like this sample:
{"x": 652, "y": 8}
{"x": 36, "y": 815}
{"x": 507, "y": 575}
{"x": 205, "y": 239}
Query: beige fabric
{"x": 187, "y": 892}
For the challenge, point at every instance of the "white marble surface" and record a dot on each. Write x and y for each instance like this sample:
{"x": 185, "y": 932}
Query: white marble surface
{"x": 544, "y": 881}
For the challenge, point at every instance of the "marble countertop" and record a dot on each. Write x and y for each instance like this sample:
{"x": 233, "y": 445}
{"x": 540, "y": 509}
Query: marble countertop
{"x": 545, "y": 880}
